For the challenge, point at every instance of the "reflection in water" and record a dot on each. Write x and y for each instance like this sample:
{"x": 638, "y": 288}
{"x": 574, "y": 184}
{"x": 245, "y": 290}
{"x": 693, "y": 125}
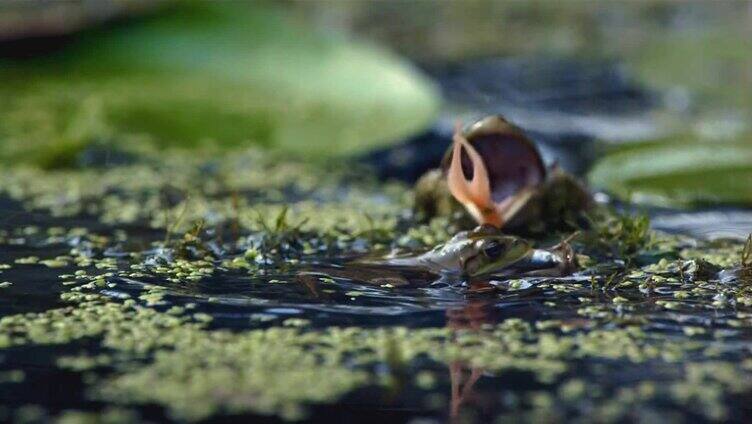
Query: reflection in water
{"x": 473, "y": 316}
{"x": 463, "y": 380}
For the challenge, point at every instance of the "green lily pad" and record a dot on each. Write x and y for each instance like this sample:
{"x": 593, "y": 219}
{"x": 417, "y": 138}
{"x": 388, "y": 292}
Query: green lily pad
{"x": 679, "y": 172}
{"x": 212, "y": 75}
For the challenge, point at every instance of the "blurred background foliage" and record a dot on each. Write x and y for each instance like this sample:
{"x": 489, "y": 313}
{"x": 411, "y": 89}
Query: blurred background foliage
{"x": 210, "y": 74}
{"x": 321, "y": 79}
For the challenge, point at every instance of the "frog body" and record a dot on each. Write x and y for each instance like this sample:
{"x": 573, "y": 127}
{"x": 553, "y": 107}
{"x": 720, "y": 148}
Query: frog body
{"x": 495, "y": 173}
{"x": 486, "y": 251}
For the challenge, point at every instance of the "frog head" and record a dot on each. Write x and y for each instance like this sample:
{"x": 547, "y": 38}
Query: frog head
{"x": 490, "y": 251}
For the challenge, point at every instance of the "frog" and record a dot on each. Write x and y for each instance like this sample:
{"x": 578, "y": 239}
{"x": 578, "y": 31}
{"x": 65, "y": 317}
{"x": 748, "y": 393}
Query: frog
{"x": 493, "y": 174}
{"x": 486, "y": 251}
{"x": 472, "y": 258}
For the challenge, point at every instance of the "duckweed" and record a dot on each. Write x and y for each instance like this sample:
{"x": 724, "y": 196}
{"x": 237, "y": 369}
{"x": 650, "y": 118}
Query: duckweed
{"x": 171, "y": 297}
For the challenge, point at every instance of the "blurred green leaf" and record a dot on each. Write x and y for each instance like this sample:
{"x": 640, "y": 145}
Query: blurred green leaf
{"x": 215, "y": 74}
{"x": 682, "y": 171}
{"x": 713, "y": 65}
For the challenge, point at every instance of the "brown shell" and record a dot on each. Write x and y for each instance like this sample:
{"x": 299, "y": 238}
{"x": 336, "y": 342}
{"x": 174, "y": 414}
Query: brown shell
{"x": 511, "y": 159}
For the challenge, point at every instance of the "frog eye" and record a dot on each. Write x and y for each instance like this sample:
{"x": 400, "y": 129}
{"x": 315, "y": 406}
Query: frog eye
{"x": 493, "y": 249}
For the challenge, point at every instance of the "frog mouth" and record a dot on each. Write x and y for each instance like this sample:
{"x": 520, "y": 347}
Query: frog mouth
{"x": 493, "y": 170}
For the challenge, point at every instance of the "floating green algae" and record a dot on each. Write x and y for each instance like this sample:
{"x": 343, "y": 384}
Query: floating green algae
{"x": 194, "y": 287}
{"x": 178, "y": 191}
{"x": 196, "y": 372}
{"x": 173, "y": 359}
